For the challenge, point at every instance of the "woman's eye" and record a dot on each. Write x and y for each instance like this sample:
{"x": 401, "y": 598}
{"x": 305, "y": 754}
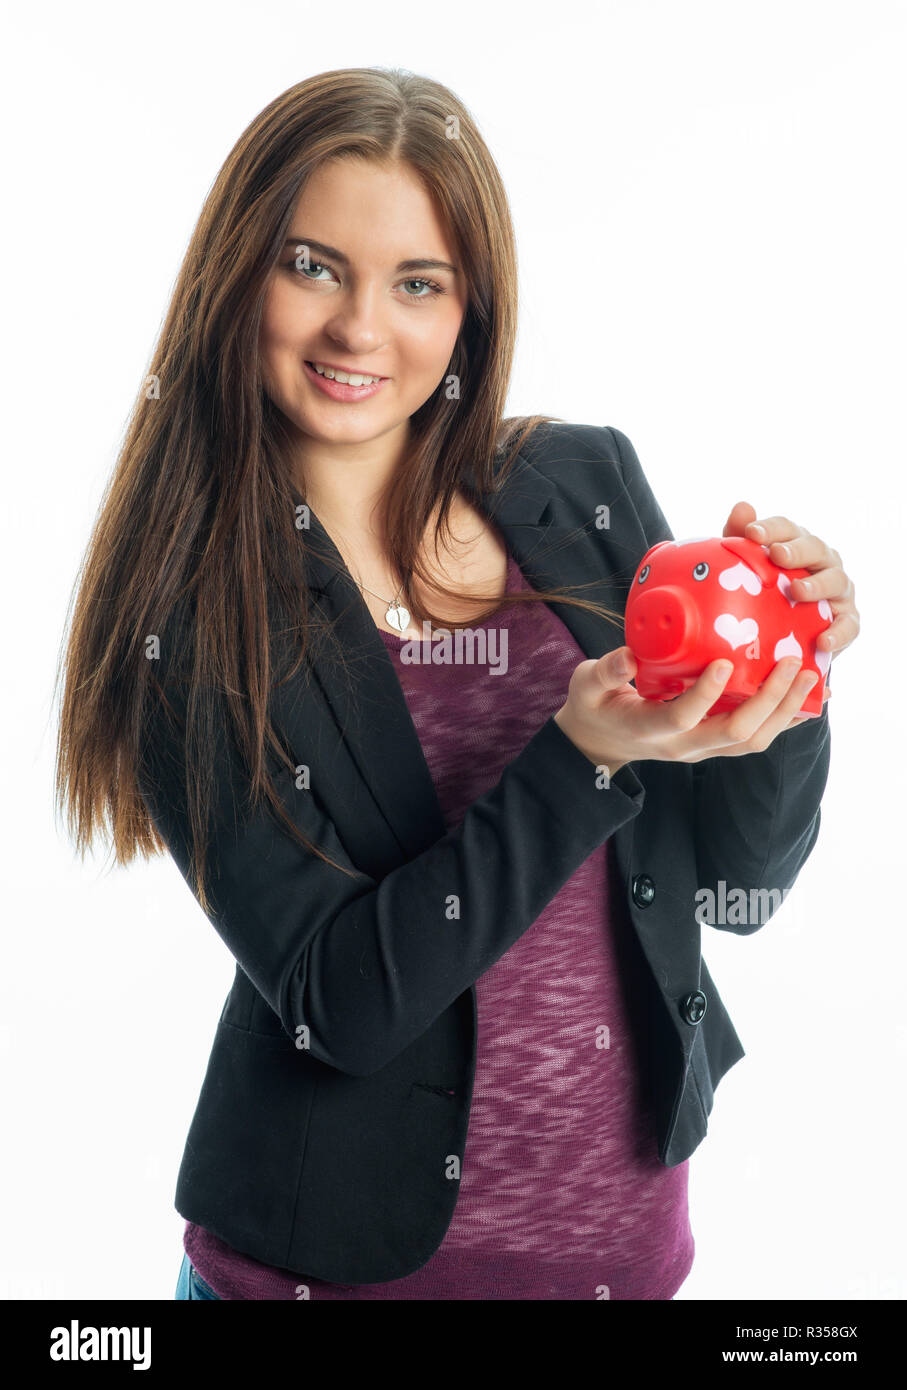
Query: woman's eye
{"x": 430, "y": 285}
{"x": 313, "y": 265}
{"x": 430, "y": 289}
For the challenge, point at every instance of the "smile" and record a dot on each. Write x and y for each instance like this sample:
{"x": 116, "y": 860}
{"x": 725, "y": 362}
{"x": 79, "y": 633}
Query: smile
{"x": 353, "y": 378}
{"x": 343, "y": 386}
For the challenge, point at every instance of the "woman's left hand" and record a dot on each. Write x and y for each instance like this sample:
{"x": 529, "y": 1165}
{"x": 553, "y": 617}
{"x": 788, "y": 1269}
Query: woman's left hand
{"x": 793, "y": 547}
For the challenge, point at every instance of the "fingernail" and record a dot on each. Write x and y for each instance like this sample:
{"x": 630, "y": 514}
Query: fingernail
{"x": 724, "y": 668}
{"x": 757, "y": 530}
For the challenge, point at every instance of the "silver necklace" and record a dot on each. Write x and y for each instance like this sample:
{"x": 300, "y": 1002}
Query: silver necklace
{"x": 397, "y": 616}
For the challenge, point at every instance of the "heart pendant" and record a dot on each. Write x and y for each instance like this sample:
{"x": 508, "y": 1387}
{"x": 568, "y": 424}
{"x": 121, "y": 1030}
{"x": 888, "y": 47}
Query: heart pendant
{"x": 397, "y": 617}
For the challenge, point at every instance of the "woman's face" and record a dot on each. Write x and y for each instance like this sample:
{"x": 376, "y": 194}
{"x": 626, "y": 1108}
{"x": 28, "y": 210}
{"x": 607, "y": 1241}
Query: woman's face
{"x": 361, "y": 304}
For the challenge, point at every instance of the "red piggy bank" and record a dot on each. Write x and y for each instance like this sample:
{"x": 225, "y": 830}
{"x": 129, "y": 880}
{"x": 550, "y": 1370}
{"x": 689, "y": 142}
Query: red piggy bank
{"x": 697, "y": 600}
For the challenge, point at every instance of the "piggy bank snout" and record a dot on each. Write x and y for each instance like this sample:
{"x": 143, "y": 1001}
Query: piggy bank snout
{"x": 662, "y": 624}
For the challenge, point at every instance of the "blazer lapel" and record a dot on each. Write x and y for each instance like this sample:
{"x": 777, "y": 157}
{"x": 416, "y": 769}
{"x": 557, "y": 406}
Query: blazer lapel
{"x": 367, "y": 701}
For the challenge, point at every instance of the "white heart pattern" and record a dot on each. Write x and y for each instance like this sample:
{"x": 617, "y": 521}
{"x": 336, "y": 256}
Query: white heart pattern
{"x": 788, "y": 646}
{"x": 784, "y": 586}
{"x": 736, "y": 631}
{"x": 740, "y": 576}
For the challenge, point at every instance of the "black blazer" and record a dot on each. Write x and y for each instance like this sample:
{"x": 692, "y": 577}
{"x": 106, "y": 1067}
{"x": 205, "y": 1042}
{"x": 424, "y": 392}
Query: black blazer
{"x": 333, "y": 1160}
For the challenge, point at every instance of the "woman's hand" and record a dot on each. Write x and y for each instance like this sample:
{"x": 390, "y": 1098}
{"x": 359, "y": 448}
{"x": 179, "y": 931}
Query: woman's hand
{"x": 793, "y": 547}
{"x": 603, "y": 715}
{"x": 608, "y": 721}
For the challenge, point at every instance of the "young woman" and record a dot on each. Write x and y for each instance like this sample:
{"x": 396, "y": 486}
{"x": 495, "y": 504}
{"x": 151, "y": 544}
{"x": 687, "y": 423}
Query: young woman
{"x": 346, "y": 644}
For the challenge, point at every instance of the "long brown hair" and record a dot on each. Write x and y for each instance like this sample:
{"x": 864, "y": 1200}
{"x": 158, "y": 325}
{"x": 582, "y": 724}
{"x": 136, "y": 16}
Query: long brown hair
{"x": 200, "y": 509}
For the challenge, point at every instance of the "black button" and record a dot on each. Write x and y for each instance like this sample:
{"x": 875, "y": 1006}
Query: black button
{"x": 693, "y": 1007}
{"x": 643, "y": 890}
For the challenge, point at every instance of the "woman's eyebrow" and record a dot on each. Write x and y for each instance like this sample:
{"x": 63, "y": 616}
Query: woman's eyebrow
{"x": 321, "y": 249}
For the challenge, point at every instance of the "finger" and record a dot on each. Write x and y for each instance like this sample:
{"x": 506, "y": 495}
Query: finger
{"x": 830, "y": 584}
{"x": 768, "y": 529}
{"x": 740, "y": 724}
{"x": 802, "y": 719}
{"x": 787, "y": 710}
{"x": 784, "y": 717}
{"x": 840, "y": 633}
{"x": 804, "y": 550}
{"x": 687, "y": 711}
{"x": 604, "y": 674}
{"x": 742, "y": 513}
{"x": 594, "y": 679}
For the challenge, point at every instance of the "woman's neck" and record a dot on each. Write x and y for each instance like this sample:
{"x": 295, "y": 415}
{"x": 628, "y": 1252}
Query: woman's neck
{"x": 344, "y": 486}
{"x": 343, "y": 483}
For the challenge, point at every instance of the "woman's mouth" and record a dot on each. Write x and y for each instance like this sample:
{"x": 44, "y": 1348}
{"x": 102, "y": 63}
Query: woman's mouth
{"x": 343, "y": 390}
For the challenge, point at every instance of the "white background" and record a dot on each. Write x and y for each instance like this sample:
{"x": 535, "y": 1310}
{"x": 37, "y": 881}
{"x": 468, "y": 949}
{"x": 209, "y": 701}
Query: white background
{"x": 709, "y": 207}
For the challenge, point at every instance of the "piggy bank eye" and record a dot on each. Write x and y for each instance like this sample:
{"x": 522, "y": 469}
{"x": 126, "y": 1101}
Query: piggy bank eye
{"x": 701, "y": 570}
{"x": 643, "y": 574}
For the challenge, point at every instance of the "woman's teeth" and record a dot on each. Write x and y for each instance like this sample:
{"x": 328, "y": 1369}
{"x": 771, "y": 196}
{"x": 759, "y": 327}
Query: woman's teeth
{"x": 349, "y": 378}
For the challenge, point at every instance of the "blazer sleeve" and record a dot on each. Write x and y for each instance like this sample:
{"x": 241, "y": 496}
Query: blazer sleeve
{"x": 369, "y": 965}
{"x": 757, "y": 817}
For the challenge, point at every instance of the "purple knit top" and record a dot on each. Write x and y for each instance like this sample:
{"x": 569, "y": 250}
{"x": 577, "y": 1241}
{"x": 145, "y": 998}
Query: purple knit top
{"x": 562, "y": 1195}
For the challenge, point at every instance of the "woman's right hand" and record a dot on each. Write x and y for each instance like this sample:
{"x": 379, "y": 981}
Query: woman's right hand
{"x": 612, "y": 724}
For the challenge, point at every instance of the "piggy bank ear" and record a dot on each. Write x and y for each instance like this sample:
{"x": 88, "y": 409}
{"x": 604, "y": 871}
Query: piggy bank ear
{"x": 653, "y": 550}
{"x": 754, "y": 555}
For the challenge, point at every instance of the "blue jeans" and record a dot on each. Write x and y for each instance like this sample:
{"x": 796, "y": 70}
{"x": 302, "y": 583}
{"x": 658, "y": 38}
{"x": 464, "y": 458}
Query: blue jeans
{"x": 190, "y": 1283}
